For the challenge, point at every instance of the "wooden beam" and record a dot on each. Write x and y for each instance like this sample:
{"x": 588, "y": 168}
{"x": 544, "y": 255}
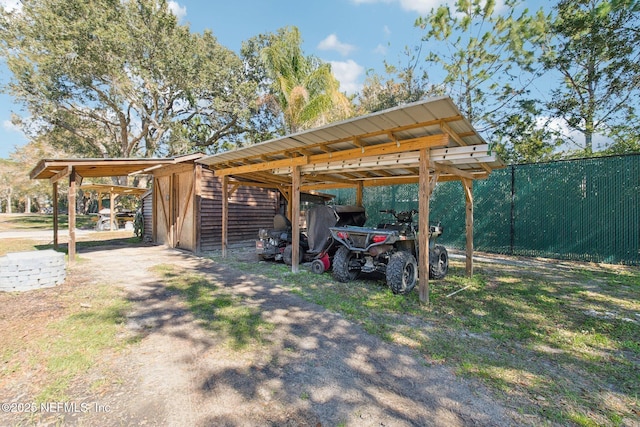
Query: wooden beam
{"x": 359, "y": 191}
{"x": 234, "y": 188}
{"x": 71, "y": 197}
{"x": 295, "y": 219}
{"x": 447, "y": 129}
{"x": 55, "y": 216}
{"x": 258, "y": 167}
{"x": 197, "y": 206}
{"x": 112, "y": 210}
{"x": 326, "y": 186}
{"x": 423, "y": 226}
{"x": 61, "y": 174}
{"x": 467, "y": 184}
{"x": 225, "y": 215}
{"x": 413, "y": 144}
{"x": 452, "y": 170}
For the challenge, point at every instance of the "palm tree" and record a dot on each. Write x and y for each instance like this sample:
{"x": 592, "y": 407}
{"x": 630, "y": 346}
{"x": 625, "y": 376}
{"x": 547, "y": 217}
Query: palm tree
{"x": 307, "y": 92}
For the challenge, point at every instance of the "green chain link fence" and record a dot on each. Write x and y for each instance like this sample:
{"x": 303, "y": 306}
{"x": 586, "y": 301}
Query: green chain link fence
{"x": 585, "y": 210}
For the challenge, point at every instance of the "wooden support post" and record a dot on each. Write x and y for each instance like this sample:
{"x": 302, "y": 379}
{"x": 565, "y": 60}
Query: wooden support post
{"x": 72, "y": 216}
{"x": 225, "y": 214}
{"x": 197, "y": 220}
{"x": 112, "y": 211}
{"x": 467, "y": 184}
{"x": 55, "y": 216}
{"x": 359, "y": 190}
{"x": 423, "y": 225}
{"x": 295, "y": 219}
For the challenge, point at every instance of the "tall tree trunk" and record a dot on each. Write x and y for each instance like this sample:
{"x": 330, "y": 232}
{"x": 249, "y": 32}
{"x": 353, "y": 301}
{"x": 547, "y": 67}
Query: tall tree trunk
{"x": 9, "y": 202}
{"x": 27, "y": 205}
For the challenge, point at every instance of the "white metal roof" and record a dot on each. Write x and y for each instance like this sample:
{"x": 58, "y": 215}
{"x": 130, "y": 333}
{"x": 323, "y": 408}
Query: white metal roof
{"x": 376, "y": 148}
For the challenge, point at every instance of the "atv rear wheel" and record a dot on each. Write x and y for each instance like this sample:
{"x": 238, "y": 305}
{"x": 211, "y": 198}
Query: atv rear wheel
{"x": 402, "y": 272}
{"x": 341, "y": 261}
{"x": 438, "y": 262}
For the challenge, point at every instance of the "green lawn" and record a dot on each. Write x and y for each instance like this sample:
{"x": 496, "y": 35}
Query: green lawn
{"x": 563, "y": 345}
{"x": 42, "y": 221}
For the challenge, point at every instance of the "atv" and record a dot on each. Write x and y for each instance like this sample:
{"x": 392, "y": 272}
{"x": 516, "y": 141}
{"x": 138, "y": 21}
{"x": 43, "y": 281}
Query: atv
{"x": 316, "y": 244}
{"x": 390, "y": 249}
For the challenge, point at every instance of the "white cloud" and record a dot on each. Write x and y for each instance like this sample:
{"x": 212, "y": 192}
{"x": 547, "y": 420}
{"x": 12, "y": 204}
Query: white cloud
{"x": 422, "y": 6}
{"x": 347, "y": 72}
{"x": 11, "y": 5}
{"x": 333, "y": 43}
{"x": 574, "y": 138}
{"x": 380, "y": 49}
{"x": 9, "y": 126}
{"x": 179, "y": 11}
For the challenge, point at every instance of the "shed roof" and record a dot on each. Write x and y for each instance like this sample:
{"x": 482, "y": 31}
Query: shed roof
{"x": 379, "y": 149}
{"x": 115, "y": 189}
{"x": 94, "y": 168}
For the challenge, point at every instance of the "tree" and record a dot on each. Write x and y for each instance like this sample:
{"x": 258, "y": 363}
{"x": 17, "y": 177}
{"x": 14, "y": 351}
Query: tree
{"x": 595, "y": 48}
{"x": 625, "y": 137}
{"x": 404, "y": 84}
{"x": 23, "y": 190}
{"x": 306, "y": 91}
{"x": 487, "y": 58}
{"x": 114, "y": 78}
{"x": 8, "y": 172}
{"x": 525, "y": 137}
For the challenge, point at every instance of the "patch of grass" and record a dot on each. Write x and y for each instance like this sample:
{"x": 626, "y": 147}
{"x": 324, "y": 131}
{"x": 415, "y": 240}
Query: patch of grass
{"x": 75, "y": 342}
{"x": 239, "y": 324}
{"x": 42, "y": 221}
{"x": 21, "y": 245}
{"x": 553, "y": 341}
{"x": 80, "y": 339}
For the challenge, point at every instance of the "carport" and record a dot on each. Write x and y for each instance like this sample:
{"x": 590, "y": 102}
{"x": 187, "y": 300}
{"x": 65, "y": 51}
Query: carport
{"x": 424, "y": 142}
{"x": 55, "y": 170}
{"x": 112, "y": 191}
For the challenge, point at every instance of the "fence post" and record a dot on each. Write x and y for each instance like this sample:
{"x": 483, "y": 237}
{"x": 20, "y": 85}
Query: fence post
{"x": 513, "y": 209}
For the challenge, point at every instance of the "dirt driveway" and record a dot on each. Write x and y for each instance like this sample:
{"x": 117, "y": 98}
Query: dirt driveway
{"x": 315, "y": 368}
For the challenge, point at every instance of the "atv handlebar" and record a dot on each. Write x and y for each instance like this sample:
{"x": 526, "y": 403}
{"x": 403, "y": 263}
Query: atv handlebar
{"x": 405, "y": 216}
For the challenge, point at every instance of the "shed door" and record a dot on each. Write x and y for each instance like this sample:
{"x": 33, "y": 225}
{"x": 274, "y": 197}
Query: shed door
{"x": 183, "y": 211}
{"x": 163, "y": 208}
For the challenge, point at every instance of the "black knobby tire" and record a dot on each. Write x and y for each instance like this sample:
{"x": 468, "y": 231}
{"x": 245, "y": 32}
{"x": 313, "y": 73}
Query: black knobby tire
{"x": 438, "y": 262}
{"x": 341, "y": 261}
{"x": 402, "y": 272}
{"x": 287, "y": 255}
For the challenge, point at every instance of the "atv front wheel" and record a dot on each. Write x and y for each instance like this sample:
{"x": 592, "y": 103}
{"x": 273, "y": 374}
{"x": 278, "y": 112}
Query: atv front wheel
{"x": 438, "y": 262}
{"x": 402, "y": 272}
{"x": 341, "y": 261}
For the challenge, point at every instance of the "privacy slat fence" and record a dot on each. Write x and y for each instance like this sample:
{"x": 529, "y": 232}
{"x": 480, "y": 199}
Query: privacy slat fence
{"x": 586, "y": 209}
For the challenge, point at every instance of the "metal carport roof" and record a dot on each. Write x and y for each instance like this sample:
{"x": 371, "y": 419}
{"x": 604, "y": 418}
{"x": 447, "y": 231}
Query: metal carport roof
{"x": 377, "y": 149}
{"x": 423, "y": 142}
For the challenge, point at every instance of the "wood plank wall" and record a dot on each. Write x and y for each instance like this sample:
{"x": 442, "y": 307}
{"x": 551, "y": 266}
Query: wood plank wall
{"x": 250, "y": 209}
{"x": 147, "y": 213}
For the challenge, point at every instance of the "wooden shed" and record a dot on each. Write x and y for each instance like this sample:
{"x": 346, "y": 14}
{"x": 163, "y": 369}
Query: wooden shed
{"x": 186, "y": 208}
{"x": 182, "y": 209}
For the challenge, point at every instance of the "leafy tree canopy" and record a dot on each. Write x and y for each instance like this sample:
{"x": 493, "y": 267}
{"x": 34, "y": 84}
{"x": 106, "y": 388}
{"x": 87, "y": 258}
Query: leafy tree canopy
{"x": 305, "y": 89}
{"x": 403, "y": 84}
{"x": 487, "y": 58}
{"x": 595, "y": 46}
{"x": 121, "y": 78}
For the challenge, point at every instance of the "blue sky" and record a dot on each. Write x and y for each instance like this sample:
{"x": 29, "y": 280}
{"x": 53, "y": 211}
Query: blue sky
{"x": 353, "y": 35}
